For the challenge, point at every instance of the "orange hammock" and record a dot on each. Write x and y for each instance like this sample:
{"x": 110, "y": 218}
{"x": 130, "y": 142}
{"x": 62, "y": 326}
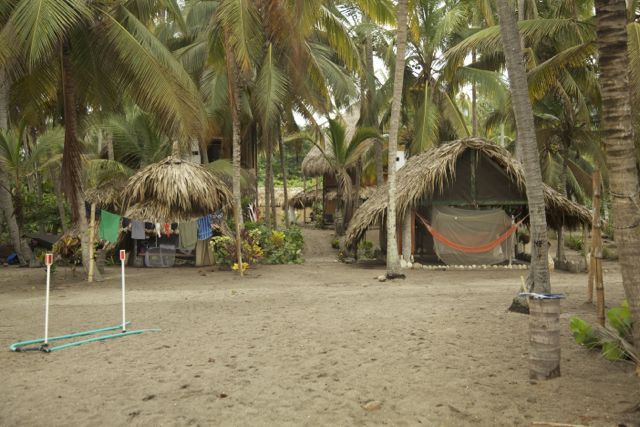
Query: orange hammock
{"x": 469, "y": 249}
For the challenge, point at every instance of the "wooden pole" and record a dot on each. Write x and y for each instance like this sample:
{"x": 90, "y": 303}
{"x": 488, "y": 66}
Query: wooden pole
{"x": 92, "y": 233}
{"x": 304, "y": 200}
{"x": 595, "y": 268}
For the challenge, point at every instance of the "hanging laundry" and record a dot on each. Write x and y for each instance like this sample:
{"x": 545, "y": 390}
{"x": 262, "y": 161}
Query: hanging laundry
{"x": 204, "y": 228}
{"x": 157, "y": 227}
{"x": 187, "y": 232}
{"x": 167, "y": 230}
{"x": 109, "y": 226}
{"x": 137, "y": 230}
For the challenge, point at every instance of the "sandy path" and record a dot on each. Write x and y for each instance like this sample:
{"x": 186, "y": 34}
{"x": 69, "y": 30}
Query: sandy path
{"x": 300, "y": 345}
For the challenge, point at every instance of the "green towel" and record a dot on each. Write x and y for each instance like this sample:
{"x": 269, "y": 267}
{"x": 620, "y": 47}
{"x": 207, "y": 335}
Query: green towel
{"x": 109, "y": 226}
{"x": 188, "y": 233}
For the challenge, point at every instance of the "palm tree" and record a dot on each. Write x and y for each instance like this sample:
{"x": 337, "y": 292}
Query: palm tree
{"x": 11, "y": 204}
{"x": 102, "y": 49}
{"x": 394, "y": 126}
{"x": 618, "y": 138}
{"x": 539, "y": 276}
{"x": 344, "y": 156}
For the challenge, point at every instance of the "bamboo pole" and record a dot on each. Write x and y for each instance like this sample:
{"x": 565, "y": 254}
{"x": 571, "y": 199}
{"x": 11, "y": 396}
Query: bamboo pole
{"x": 92, "y": 228}
{"x": 595, "y": 268}
{"x": 304, "y": 201}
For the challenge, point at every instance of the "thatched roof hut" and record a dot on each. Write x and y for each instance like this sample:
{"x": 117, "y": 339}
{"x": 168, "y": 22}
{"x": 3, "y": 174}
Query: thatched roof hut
{"x": 431, "y": 174}
{"x": 307, "y": 199}
{"x": 107, "y": 196}
{"x": 174, "y": 190}
{"x": 315, "y": 163}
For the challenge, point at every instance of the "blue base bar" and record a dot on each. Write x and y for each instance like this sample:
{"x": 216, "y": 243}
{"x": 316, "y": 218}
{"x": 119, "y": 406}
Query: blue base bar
{"x": 20, "y": 346}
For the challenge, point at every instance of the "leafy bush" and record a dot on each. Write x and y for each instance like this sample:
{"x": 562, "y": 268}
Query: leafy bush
{"x": 365, "y": 250}
{"x": 575, "y": 243}
{"x": 335, "y": 243}
{"x": 611, "y": 345}
{"x": 224, "y": 249}
{"x": 281, "y": 247}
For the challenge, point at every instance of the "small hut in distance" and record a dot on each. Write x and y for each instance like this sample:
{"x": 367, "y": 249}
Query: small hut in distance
{"x": 471, "y": 189}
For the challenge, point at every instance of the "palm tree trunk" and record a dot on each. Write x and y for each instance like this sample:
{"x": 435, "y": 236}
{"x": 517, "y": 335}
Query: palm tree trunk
{"x": 560, "y": 256}
{"x": 59, "y": 199}
{"x": 284, "y": 177}
{"x": 474, "y": 102}
{"x": 339, "y": 217}
{"x": 394, "y": 125}
{"x": 267, "y": 177}
{"x": 611, "y": 27}
{"x": 234, "y": 99}
{"x": 539, "y": 274}
{"x": 71, "y": 162}
{"x": 6, "y": 200}
{"x": 272, "y": 193}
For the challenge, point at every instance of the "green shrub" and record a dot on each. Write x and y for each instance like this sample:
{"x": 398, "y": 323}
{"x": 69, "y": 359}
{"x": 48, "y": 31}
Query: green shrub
{"x": 575, "y": 243}
{"x": 278, "y": 246}
{"x": 365, "y": 250}
{"x": 620, "y": 321}
{"x": 335, "y": 243}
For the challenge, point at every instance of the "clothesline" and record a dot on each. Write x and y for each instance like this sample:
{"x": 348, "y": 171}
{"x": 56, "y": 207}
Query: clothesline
{"x": 188, "y": 232}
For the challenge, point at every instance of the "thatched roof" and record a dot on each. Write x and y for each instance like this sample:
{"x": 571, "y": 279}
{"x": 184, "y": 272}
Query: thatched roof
{"x": 302, "y": 199}
{"x": 107, "y": 196}
{"x": 315, "y": 163}
{"x": 428, "y": 174}
{"x": 174, "y": 190}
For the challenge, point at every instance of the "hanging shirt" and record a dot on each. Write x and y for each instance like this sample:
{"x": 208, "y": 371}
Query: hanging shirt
{"x": 204, "y": 228}
{"x": 167, "y": 229}
{"x": 109, "y": 226}
{"x": 187, "y": 234}
{"x": 137, "y": 230}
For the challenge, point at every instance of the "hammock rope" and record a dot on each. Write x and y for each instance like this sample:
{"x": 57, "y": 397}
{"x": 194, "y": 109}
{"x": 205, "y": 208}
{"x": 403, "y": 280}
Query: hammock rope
{"x": 469, "y": 249}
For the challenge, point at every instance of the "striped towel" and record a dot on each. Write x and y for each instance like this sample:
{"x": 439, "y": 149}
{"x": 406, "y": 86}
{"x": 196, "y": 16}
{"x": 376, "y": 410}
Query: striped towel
{"x": 204, "y": 228}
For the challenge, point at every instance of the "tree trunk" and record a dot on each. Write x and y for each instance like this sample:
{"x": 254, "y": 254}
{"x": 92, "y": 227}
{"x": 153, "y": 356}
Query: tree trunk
{"x": 4, "y": 100}
{"x": 267, "y": 178}
{"x": 539, "y": 273}
{"x": 234, "y": 100}
{"x": 617, "y": 126}
{"x": 272, "y": 194}
{"x": 560, "y": 255}
{"x": 283, "y": 164}
{"x": 59, "y": 199}
{"x": 394, "y": 125}
{"x": 339, "y": 217}
{"x": 474, "y": 102}
{"x": 71, "y": 160}
{"x": 406, "y": 235}
{"x": 6, "y": 200}
{"x": 6, "y": 204}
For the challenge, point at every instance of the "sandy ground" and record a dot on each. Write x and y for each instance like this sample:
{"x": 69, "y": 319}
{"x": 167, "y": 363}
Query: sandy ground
{"x": 301, "y": 345}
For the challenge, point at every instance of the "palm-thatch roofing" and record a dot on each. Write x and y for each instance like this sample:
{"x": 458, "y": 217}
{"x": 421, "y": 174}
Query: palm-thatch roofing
{"x": 307, "y": 199}
{"x": 315, "y": 163}
{"x": 429, "y": 173}
{"x": 107, "y": 196}
{"x": 174, "y": 190}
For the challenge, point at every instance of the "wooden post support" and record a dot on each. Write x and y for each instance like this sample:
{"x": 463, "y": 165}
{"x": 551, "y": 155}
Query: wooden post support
{"x": 595, "y": 267}
{"x": 92, "y": 228}
{"x": 304, "y": 200}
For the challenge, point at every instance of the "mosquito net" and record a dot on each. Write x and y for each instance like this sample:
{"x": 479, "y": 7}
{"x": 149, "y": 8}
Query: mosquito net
{"x": 467, "y": 228}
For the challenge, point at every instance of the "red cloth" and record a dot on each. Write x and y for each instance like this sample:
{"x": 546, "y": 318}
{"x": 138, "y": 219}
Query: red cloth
{"x": 167, "y": 229}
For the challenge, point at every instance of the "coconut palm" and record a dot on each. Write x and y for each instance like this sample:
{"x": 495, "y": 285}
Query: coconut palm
{"x": 100, "y": 50}
{"x": 394, "y": 127}
{"x": 618, "y": 138}
{"x": 343, "y": 157}
{"x": 539, "y": 276}
{"x": 11, "y": 174}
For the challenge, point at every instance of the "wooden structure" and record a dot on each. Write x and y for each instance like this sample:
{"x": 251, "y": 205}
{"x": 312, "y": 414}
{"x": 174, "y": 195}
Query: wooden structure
{"x": 473, "y": 174}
